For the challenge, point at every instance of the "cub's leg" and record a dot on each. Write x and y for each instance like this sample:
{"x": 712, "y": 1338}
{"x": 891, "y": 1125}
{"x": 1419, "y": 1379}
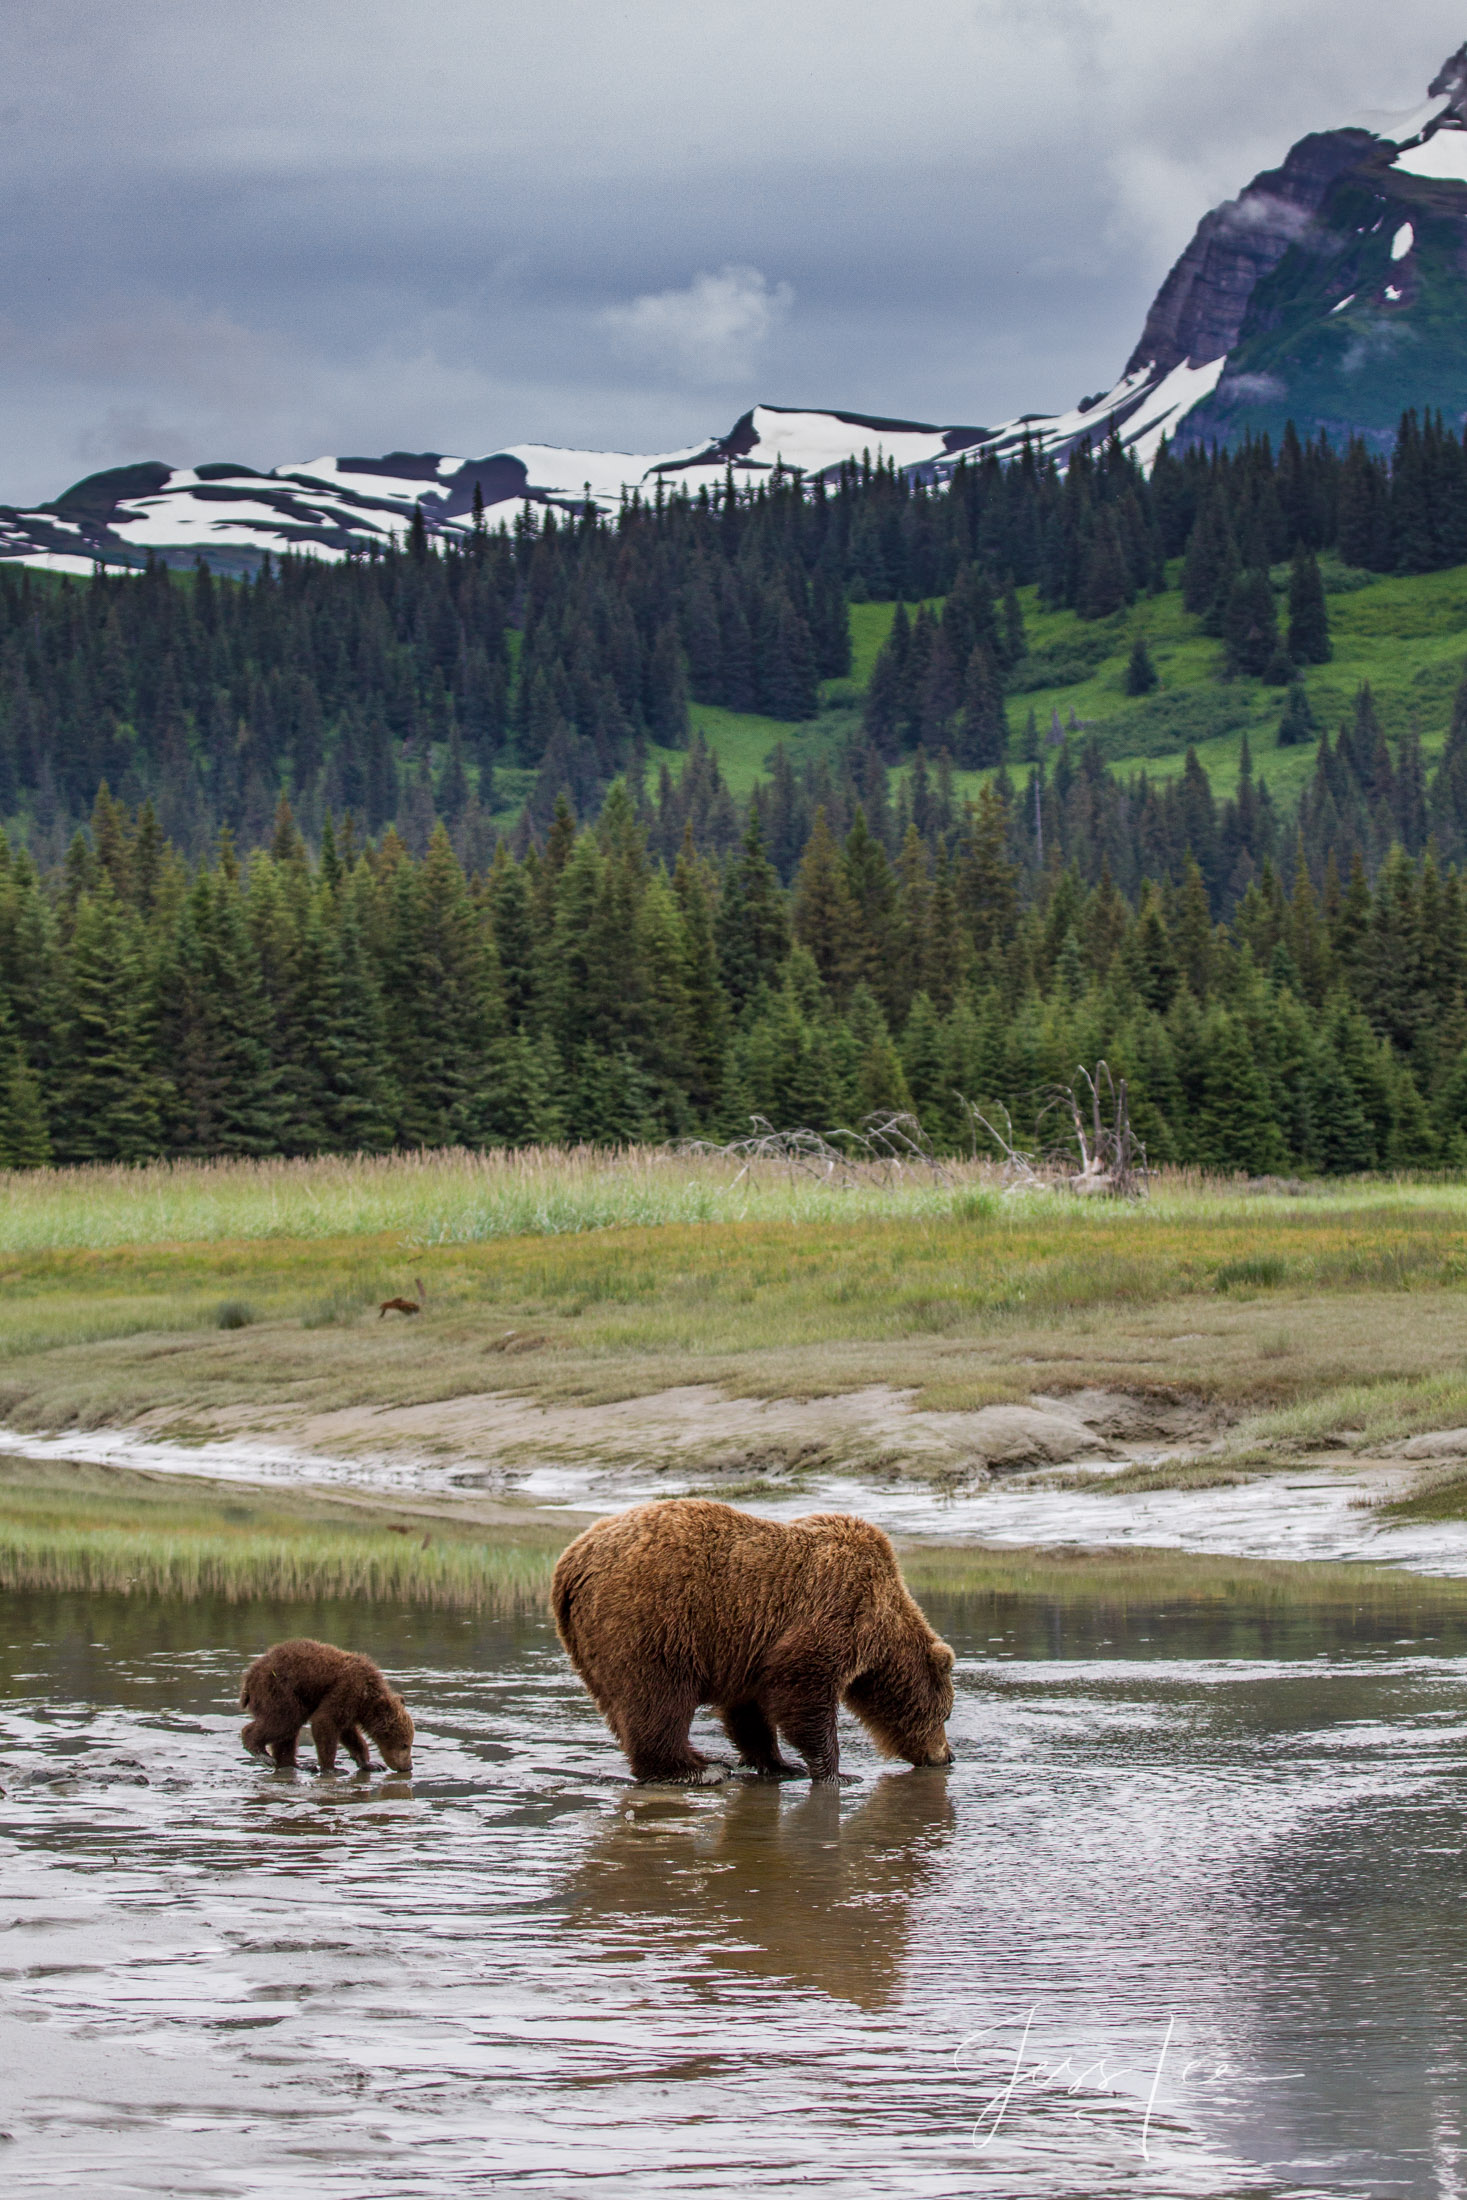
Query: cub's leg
{"x": 279, "y": 1717}
{"x": 753, "y": 1737}
{"x": 254, "y": 1736}
{"x": 333, "y": 1721}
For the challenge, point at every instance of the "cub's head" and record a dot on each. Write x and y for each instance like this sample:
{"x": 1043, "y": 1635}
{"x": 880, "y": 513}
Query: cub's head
{"x": 392, "y": 1730}
{"x": 905, "y": 1702}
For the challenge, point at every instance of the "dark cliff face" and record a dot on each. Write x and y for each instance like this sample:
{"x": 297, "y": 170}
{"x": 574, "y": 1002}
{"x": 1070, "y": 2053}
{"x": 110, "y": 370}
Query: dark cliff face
{"x": 1450, "y": 82}
{"x": 1198, "y": 312}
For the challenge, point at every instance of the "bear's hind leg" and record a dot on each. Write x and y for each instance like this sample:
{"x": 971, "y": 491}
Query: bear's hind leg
{"x": 271, "y": 1737}
{"x": 656, "y": 1741}
{"x": 753, "y": 1737}
{"x": 279, "y": 1717}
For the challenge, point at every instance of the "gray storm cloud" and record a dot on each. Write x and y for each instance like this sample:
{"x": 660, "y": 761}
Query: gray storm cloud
{"x": 270, "y": 232}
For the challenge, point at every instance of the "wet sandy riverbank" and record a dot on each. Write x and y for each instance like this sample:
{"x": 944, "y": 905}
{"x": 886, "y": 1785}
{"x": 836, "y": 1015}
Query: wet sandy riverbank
{"x": 1311, "y": 1510}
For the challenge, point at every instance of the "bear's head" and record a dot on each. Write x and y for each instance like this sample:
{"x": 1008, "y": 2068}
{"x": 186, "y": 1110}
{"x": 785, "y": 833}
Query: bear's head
{"x": 905, "y": 1702}
{"x": 392, "y": 1730}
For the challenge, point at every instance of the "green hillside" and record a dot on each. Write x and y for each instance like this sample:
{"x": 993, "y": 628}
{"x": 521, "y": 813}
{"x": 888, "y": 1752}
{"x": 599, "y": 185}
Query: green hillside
{"x": 1405, "y": 636}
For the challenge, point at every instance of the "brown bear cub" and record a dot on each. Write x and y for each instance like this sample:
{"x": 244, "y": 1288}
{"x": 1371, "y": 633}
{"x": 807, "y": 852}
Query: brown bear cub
{"x": 340, "y": 1693}
{"x": 772, "y": 1623}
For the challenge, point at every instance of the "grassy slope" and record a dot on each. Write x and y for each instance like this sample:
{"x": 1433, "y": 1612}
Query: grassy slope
{"x": 104, "y": 1529}
{"x": 1406, "y": 637}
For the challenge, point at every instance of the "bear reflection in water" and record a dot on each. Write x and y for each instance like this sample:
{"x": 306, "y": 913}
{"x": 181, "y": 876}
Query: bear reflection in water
{"x": 811, "y": 1891}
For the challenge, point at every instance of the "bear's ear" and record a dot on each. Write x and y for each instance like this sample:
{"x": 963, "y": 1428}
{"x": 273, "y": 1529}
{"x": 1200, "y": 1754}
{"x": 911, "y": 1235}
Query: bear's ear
{"x": 942, "y": 1656}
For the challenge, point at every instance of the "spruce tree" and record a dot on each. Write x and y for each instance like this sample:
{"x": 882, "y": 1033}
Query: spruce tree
{"x": 215, "y": 1029}
{"x": 107, "y": 1097}
{"x": 1235, "y": 1126}
{"x": 1309, "y": 637}
{"x": 1298, "y": 723}
{"x": 826, "y": 920}
{"x": 707, "y": 1005}
{"x": 25, "y": 1141}
{"x": 1250, "y": 623}
{"x": 982, "y": 732}
{"x": 751, "y": 926}
{"x": 1141, "y": 673}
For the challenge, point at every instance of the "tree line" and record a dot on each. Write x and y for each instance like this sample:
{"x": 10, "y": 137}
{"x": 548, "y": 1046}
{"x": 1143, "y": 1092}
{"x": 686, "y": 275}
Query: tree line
{"x": 363, "y": 997}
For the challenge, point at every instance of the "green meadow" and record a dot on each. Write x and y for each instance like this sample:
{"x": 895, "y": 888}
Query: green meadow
{"x": 1404, "y": 637}
{"x": 240, "y": 1299}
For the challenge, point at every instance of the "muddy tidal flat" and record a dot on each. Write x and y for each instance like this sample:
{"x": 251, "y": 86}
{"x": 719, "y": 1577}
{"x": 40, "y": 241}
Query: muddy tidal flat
{"x": 1186, "y": 1917}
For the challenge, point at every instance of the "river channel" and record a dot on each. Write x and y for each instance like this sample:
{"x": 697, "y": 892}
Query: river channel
{"x": 1188, "y": 1916}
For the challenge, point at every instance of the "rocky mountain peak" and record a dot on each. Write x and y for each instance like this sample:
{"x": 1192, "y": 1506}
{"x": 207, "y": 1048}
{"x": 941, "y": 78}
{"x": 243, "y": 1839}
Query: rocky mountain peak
{"x": 1199, "y": 310}
{"x": 1450, "y": 83}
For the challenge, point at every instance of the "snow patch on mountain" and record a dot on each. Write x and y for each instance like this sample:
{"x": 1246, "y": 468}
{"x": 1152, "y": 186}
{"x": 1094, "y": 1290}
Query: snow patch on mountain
{"x": 1442, "y": 159}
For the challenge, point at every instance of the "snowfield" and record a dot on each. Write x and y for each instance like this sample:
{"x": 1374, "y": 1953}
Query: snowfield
{"x": 1442, "y": 158}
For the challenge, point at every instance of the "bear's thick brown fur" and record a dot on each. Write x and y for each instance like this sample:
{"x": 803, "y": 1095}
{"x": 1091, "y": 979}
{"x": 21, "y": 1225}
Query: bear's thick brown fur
{"x": 773, "y": 1623}
{"x": 340, "y": 1693}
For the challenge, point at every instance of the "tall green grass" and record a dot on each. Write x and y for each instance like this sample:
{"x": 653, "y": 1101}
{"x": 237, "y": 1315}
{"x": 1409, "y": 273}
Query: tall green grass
{"x": 310, "y": 1566}
{"x": 450, "y": 1197}
{"x": 442, "y": 1197}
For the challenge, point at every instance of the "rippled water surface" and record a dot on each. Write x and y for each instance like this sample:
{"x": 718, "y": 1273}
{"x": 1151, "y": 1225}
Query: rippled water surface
{"x": 1189, "y": 1915}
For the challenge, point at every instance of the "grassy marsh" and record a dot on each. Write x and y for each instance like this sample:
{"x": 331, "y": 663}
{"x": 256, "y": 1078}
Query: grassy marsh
{"x": 99, "y": 1531}
{"x": 587, "y": 1278}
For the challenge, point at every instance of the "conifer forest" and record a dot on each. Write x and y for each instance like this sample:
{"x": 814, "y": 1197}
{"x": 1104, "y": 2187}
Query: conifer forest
{"x": 424, "y": 848}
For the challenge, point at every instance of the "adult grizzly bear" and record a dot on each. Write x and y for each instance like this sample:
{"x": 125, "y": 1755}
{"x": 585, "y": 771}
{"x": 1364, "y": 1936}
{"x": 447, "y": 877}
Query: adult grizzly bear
{"x": 773, "y": 1623}
{"x": 341, "y": 1693}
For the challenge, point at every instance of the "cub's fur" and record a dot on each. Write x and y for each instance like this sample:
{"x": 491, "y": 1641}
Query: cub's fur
{"x": 342, "y": 1696}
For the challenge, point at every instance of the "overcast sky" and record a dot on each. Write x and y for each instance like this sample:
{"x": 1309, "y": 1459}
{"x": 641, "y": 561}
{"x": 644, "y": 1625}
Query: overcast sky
{"x": 263, "y": 232}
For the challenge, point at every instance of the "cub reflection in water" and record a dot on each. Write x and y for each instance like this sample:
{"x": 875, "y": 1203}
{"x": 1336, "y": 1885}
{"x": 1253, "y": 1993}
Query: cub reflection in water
{"x": 806, "y": 1891}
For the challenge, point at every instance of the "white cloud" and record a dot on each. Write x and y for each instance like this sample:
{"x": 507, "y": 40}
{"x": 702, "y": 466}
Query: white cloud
{"x": 713, "y": 331}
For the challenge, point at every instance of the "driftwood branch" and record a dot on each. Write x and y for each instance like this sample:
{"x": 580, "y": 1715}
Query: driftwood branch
{"x": 1022, "y": 1169}
{"x": 1099, "y": 1137}
{"x": 883, "y": 1147}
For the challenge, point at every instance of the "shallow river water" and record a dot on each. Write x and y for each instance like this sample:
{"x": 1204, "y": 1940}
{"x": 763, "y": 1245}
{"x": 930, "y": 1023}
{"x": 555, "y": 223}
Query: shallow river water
{"x": 1188, "y": 1916}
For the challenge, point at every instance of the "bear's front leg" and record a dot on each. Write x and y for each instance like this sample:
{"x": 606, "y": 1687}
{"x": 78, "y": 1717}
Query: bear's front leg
{"x": 800, "y": 1696}
{"x": 325, "y": 1733}
{"x": 810, "y": 1728}
{"x": 355, "y": 1743}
